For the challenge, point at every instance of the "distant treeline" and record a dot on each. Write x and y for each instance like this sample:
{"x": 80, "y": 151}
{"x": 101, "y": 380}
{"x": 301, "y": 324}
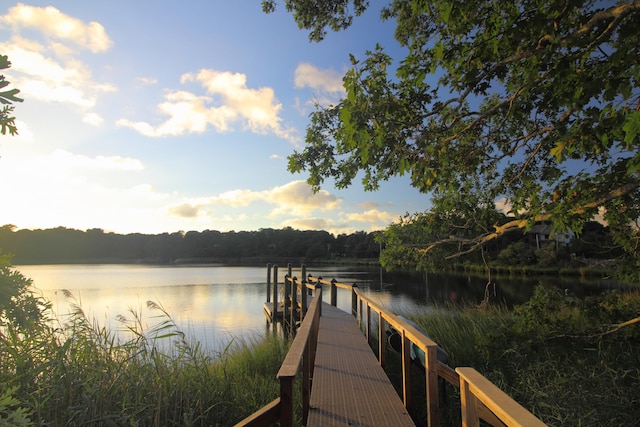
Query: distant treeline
{"x": 65, "y": 245}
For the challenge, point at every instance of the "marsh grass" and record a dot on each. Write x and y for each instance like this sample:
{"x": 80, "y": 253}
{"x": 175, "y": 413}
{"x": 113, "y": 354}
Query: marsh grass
{"x": 564, "y": 359}
{"x": 73, "y": 371}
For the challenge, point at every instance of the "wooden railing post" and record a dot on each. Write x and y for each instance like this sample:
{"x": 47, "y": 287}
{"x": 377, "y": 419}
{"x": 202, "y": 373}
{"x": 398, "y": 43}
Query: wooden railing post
{"x": 354, "y": 300}
{"x": 468, "y": 405}
{"x": 287, "y": 301}
{"x": 382, "y": 339}
{"x": 306, "y": 382}
{"x": 318, "y": 294}
{"x": 368, "y": 324}
{"x": 480, "y": 398}
{"x": 334, "y": 293}
{"x": 431, "y": 380}
{"x": 406, "y": 370}
{"x": 286, "y": 401}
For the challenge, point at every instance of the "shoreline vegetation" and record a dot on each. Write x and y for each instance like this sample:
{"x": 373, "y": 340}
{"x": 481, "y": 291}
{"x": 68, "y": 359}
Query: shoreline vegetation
{"x": 513, "y": 256}
{"x": 570, "y": 361}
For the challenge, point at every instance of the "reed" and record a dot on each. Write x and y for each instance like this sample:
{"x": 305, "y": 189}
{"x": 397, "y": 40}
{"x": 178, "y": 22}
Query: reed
{"x": 570, "y": 361}
{"x": 73, "y": 371}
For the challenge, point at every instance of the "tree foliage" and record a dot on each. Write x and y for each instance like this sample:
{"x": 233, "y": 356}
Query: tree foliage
{"x": 536, "y": 103}
{"x": 7, "y": 97}
{"x": 65, "y": 245}
{"x": 20, "y": 309}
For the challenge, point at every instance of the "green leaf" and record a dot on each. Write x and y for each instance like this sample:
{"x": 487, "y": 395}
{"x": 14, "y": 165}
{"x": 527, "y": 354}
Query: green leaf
{"x": 558, "y": 151}
{"x": 10, "y": 95}
{"x": 631, "y": 127}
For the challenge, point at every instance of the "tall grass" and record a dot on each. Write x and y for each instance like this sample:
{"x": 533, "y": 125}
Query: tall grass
{"x": 73, "y": 371}
{"x": 568, "y": 361}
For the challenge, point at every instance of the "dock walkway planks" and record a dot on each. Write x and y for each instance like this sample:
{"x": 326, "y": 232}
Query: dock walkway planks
{"x": 350, "y": 388}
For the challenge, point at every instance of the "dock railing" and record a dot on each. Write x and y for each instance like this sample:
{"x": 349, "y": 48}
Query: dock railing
{"x": 300, "y": 359}
{"x": 479, "y": 397}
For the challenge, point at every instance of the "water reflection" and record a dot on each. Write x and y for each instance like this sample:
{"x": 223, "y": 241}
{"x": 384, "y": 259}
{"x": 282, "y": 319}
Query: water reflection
{"x": 216, "y": 304}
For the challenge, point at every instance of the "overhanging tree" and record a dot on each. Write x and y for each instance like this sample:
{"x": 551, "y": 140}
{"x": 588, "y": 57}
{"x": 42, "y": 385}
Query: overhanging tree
{"x": 536, "y": 103}
{"x": 7, "y": 97}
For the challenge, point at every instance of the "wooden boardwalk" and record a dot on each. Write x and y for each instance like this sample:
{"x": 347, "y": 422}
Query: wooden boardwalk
{"x": 350, "y": 388}
{"x": 341, "y": 380}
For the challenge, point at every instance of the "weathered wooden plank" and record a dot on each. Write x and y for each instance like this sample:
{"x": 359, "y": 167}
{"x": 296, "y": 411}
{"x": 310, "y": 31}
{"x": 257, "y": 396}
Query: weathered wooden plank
{"x": 350, "y": 388}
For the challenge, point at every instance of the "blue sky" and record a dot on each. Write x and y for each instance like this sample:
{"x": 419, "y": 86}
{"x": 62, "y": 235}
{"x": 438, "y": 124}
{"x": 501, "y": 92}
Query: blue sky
{"x": 160, "y": 116}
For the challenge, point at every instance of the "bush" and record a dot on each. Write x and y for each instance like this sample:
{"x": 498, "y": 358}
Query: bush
{"x": 517, "y": 253}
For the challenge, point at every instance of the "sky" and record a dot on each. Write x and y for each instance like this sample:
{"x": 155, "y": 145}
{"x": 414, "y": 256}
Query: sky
{"x": 164, "y": 116}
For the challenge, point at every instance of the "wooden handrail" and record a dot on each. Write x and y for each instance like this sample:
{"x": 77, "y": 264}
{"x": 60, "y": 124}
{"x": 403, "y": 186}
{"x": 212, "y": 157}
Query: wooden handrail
{"x": 475, "y": 389}
{"x": 302, "y": 352}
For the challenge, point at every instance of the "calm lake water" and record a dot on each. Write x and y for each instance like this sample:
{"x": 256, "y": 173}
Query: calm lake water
{"x": 218, "y": 304}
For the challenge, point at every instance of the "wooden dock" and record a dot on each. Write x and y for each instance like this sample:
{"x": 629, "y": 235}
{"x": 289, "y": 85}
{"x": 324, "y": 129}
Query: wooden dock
{"x": 350, "y": 388}
{"x": 342, "y": 382}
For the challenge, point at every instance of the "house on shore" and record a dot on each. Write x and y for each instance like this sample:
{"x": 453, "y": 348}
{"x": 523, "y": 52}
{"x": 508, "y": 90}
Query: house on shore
{"x": 541, "y": 234}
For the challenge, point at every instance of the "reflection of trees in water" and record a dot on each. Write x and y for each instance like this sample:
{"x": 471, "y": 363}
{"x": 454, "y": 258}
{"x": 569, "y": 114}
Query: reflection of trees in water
{"x": 446, "y": 287}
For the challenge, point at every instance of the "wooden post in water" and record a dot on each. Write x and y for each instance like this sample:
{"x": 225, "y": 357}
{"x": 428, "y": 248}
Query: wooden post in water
{"x": 275, "y": 291}
{"x": 289, "y": 298}
{"x": 268, "y": 282}
{"x": 303, "y": 292}
{"x": 294, "y": 301}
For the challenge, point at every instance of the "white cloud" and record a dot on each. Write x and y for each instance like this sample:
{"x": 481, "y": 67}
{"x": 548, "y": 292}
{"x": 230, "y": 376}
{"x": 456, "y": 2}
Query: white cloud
{"x": 295, "y": 198}
{"x": 299, "y": 196}
{"x": 503, "y": 205}
{"x": 373, "y": 217}
{"x": 54, "y": 24}
{"x": 93, "y": 119}
{"x": 187, "y": 114}
{"x": 68, "y": 189}
{"x": 237, "y": 198}
{"x": 256, "y": 110}
{"x": 328, "y": 80}
{"x": 185, "y": 210}
{"x": 369, "y": 205}
{"x": 307, "y": 224}
{"x": 326, "y": 86}
{"x": 24, "y": 131}
{"x": 66, "y": 160}
{"x": 48, "y": 69}
{"x": 148, "y": 80}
